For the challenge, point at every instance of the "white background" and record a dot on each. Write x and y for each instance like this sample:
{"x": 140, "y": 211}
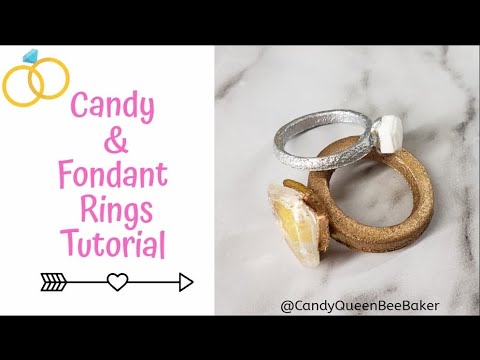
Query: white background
{"x": 33, "y": 209}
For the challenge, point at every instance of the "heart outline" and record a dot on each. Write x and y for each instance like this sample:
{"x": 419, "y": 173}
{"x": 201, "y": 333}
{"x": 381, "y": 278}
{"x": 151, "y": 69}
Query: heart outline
{"x": 117, "y": 276}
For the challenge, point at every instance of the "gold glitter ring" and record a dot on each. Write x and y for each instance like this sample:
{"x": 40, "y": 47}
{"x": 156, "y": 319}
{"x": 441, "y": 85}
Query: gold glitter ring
{"x": 371, "y": 238}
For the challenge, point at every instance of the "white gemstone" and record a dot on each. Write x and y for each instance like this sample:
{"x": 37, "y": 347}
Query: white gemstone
{"x": 390, "y": 134}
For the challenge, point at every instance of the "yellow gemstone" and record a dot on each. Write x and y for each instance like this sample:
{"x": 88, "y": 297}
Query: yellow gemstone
{"x": 298, "y": 221}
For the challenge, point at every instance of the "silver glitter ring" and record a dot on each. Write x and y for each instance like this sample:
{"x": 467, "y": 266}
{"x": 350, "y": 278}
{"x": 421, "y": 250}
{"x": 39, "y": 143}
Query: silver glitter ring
{"x": 386, "y": 134}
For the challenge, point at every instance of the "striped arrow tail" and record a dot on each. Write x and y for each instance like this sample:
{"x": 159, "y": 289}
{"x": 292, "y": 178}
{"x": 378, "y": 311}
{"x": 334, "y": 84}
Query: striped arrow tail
{"x": 53, "y": 282}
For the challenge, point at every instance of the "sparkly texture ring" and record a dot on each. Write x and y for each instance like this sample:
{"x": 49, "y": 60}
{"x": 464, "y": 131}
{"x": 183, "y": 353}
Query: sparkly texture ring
{"x": 385, "y": 134}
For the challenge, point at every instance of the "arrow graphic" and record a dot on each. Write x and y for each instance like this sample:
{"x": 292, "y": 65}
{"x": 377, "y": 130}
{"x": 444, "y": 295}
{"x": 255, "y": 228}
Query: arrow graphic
{"x": 57, "y": 281}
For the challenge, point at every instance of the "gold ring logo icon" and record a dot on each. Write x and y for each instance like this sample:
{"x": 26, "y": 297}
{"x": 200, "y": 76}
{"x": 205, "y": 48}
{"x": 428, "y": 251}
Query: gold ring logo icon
{"x": 32, "y": 70}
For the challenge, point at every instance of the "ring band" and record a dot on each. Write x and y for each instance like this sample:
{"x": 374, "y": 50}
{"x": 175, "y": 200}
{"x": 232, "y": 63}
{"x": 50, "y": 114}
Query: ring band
{"x": 333, "y": 160}
{"x": 370, "y": 238}
{"x": 30, "y": 70}
{"x": 40, "y": 93}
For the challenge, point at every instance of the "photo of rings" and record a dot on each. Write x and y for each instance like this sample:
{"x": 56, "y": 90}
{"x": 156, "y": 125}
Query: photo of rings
{"x": 386, "y": 135}
{"x": 347, "y": 180}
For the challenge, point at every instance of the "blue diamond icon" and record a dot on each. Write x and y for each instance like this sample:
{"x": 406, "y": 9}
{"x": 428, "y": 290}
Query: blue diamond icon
{"x": 31, "y": 57}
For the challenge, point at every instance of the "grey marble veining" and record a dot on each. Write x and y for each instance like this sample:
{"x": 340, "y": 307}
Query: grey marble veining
{"x": 435, "y": 90}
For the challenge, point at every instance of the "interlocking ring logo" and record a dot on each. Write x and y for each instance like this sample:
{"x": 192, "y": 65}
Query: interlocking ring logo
{"x": 39, "y": 94}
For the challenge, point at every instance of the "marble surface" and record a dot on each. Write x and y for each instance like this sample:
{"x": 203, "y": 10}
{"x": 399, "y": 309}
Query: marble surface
{"x": 435, "y": 90}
